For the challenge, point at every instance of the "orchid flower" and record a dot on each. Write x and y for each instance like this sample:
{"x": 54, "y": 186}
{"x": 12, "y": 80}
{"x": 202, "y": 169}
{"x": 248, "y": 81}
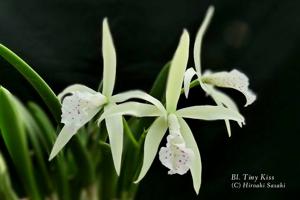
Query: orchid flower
{"x": 80, "y": 104}
{"x": 233, "y": 79}
{"x": 181, "y": 152}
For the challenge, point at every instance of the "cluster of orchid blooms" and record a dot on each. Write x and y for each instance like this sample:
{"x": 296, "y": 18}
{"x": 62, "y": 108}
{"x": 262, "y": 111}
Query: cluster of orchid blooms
{"x": 80, "y": 104}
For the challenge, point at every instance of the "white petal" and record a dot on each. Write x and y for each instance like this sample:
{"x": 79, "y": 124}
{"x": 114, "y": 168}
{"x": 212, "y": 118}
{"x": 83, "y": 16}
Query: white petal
{"x": 75, "y": 88}
{"x": 77, "y": 110}
{"x": 81, "y": 107}
{"x": 138, "y": 94}
{"x": 109, "y": 60}
{"x": 152, "y": 141}
{"x": 114, "y": 126}
{"x": 188, "y": 76}
{"x": 228, "y": 128}
{"x": 199, "y": 38}
{"x": 165, "y": 157}
{"x": 176, "y": 73}
{"x": 196, "y": 166}
{"x": 233, "y": 79}
{"x": 250, "y": 96}
{"x": 133, "y": 109}
{"x": 223, "y": 99}
{"x": 209, "y": 113}
{"x": 176, "y": 156}
{"x": 64, "y": 136}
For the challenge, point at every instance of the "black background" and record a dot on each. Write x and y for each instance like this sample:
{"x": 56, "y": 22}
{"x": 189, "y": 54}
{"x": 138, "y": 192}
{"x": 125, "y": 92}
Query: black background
{"x": 62, "y": 41}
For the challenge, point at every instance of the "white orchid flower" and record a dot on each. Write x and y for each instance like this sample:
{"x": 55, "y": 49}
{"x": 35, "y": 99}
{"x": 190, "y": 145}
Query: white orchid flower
{"x": 181, "y": 152}
{"x": 80, "y": 104}
{"x": 233, "y": 79}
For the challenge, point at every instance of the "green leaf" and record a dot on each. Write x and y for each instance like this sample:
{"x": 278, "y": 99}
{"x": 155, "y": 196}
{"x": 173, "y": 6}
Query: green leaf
{"x": 159, "y": 86}
{"x": 128, "y": 132}
{"x": 61, "y": 175}
{"x": 34, "y": 134}
{"x": 44, "y": 123}
{"x": 131, "y": 153}
{"x": 34, "y": 79}
{"x": 85, "y": 165}
{"x": 157, "y": 91}
{"x": 107, "y": 177}
{"x": 50, "y": 100}
{"x": 6, "y": 190}
{"x": 13, "y": 132}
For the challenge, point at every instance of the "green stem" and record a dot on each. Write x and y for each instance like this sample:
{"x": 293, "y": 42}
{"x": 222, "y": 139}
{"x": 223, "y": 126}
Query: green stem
{"x": 129, "y": 134}
{"x": 194, "y": 83}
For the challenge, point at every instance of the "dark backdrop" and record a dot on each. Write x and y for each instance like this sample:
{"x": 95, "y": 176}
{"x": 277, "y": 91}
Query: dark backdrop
{"x": 62, "y": 41}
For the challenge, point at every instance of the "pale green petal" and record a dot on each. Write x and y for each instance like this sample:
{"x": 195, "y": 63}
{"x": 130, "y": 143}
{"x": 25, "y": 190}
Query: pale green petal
{"x": 176, "y": 73}
{"x": 222, "y": 98}
{"x": 138, "y": 94}
{"x": 64, "y": 136}
{"x": 109, "y": 60}
{"x": 228, "y": 128}
{"x": 133, "y": 109}
{"x": 196, "y": 166}
{"x": 188, "y": 76}
{"x": 199, "y": 38}
{"x": 233, "y": 79}
{"x": 209, "y": 113}
{"x": 114, "y": 126}
{"x": 153, "y": 138}
{"x": 75, "y": 88}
